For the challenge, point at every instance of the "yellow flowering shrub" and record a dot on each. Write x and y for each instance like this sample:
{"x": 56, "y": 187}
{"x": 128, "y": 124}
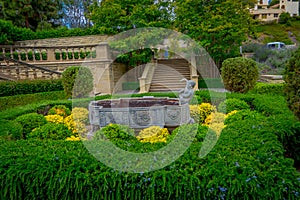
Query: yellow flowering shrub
{"x": 80, "y": 114}
{"x": 59, "y": 110}
{"x": 153, "y": 134}
{"x": 73, "y": 138}
{"x": 200, "y": 112}
{"x": 231, "y": 113}
{"x": 74, "y": 126}
{"x": 55, "y": 119}
{"x": 215, "y": 117}
{"x": 217, "y": 127}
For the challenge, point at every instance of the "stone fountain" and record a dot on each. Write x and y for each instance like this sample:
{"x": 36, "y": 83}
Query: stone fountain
{"x": 143, "y": 112}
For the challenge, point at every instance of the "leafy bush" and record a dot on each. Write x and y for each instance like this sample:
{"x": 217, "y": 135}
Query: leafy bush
{"x": 51, "y": 131}
{"x": 247, "y": 157}
{"x": 292, "y": 79}
{"x": 30, "y": 121}
{"x": 24, "y": 99}
{"x": 200, "y": 112}
{"x": 243, "y": 115}
{"x": 10, "y": 129}
{"x": 77, "y": 81}
{"x": 61, "y": 110}
{"x": 239, "y": 74}
{"x": 285, "y": 18}
{"x": 153, "y": 134}
{"x": 232, "y": 104}
{"x": 115, "y": 132}
{"x": 287, "y": 130}
{"x": 271, "y": 105}
{"x": 268, "y": 88}
{"x": 11, "y": 88}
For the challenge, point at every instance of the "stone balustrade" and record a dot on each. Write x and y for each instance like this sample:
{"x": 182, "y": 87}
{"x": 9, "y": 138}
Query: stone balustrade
{"x": 55, "y": 53}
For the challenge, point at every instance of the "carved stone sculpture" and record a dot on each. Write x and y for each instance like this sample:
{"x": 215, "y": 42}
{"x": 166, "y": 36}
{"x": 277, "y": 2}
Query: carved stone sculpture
{"x": 186, "y": 94}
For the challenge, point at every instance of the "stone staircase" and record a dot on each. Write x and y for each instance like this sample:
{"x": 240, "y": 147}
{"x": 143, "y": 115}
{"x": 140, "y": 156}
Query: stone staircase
{"x": 168, "y": 74}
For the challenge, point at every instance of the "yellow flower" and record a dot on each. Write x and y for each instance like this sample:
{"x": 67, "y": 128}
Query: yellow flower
{"x": 55, "y": 119}
{"x": 73, "y": 138}
{"x": 153, "y": 134}
{"x": 231, "y": 113}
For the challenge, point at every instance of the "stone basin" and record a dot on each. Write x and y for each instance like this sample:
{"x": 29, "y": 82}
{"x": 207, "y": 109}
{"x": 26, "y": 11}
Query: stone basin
{"x": 139, "y": 112}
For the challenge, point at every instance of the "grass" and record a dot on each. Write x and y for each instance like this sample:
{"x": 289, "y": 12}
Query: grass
{"x": 279, "y": 32}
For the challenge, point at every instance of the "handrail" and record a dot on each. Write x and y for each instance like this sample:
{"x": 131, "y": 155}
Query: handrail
{"x": 147, "y": 76}
{"x": 29, "y": 65}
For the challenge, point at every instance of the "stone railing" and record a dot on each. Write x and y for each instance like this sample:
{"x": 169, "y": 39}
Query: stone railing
{"x": 146, "y": 78}
{"x": 43, "y": 54}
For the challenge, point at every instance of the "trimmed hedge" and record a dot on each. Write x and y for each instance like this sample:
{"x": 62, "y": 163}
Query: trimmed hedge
{"x": 10, "y": 130}
{"x": 210, "y": 82}
{"x": 24, "y": 99}
{"x": 246, "y": 163}
{"x": 268, "y": 88}
{"x": 10, "y": 88}
{"x": 10, "y": 33}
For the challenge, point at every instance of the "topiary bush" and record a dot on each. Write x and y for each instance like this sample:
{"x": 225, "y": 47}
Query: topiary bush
{"x": 77, "y": 81}
{"x": 200, "y": 112}
{"x": 30, "y": 121}
{"x": 10, "y": 129}
{"x": 232, "y": 104}
{"x": 115, "y": 132}
{"x": 51, "y": 131}
{"x": 239, "y": 74}
{"x": 292, "y": 79}
{"x": 243, "y": 115}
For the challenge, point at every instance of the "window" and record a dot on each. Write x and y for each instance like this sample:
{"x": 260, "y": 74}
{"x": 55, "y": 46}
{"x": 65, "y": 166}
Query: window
{"x": 275, "y": 15}
{"x": 264, "y": 16}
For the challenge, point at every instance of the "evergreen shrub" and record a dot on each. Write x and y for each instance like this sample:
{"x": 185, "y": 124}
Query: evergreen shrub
{"x": 239, "y": 74}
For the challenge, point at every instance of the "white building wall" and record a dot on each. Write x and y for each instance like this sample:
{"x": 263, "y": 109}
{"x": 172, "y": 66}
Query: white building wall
{"x": 292, "y": 7}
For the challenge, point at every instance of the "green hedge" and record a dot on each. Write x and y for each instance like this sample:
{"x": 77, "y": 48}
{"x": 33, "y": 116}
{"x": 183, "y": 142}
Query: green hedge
{"x": 10, "y": 33}
{"x": 268, "y": 88}
{"x": 210, "y": 82}
{"x": 10, "y": 88}
{"x": 246, "y": 163}
{"x": 24, "y": 99}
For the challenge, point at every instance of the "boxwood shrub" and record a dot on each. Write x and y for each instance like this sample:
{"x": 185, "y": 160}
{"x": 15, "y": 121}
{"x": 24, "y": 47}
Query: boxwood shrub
{"x": 10, "y": 129}
{"x": 10, "y": 88}
{"x": 30, "y": 121}
{"x": 268, "y": 88}
{"x": 246, "y": 163}
{"x": 232, "y": 104}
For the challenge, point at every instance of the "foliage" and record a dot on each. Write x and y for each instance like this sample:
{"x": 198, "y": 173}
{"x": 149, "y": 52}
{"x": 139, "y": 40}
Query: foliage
{"x": 115, "y": 132}
{"x": 244, "y": 114}
{"x": 77, "y": 81}
{"x": 271, "y": 105}
{"x": 200, "y": 112}
{"x": 214, "y": 117}
{"x": 10, "y": 130}
{"x": 11, "y": 88}
{"x": 30, "y": 13}
{"x": 30, "y": 121}
{"x": 287, "y": 130}
{"x": 61, "y": 110}
{"x": 232, "y": 104}
{"x": 239, "y": 74}
{"x": 221, "y": 29}
{"x": 247, "y": 157}
{"x": 268, "y": 88}
{"x": 58, "y": 119}
{"x": 80, "y": 114}
{"x": 292, "y": 79}
{"x": 153, "y": 134}
{"x": 210, "y": 83}
{"x": 50, "y": 131}
{"x": 23, "y": 99}
{"x": 285, "y": 18}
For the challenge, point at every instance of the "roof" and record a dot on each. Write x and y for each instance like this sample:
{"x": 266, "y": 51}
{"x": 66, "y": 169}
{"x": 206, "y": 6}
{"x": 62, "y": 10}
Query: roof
{"x": 266, "y": 11}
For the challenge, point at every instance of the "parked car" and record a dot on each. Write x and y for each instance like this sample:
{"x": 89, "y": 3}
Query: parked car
{"x": 276, "y": 45}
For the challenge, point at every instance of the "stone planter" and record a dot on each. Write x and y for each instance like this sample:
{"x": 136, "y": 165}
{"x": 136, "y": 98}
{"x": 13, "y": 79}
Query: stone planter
{"x": 139, "y": 112}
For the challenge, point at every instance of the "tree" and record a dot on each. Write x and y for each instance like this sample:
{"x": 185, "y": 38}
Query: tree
{"x": 29, "y": 13}
{"x": 75, "y": 13}
{"x": 119, "y": 15}
{"x": 292, "y": 79}
{"x": 220, "y": 26}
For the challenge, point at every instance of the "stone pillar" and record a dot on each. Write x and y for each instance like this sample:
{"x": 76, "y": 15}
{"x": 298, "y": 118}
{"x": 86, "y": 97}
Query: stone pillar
{"x": 102, "y": 51}
{"x": 50, "y": 55}
{"x": 193, "y": 71}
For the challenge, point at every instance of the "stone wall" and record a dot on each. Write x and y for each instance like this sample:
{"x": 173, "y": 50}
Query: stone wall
{"x": 65, "y": 41}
